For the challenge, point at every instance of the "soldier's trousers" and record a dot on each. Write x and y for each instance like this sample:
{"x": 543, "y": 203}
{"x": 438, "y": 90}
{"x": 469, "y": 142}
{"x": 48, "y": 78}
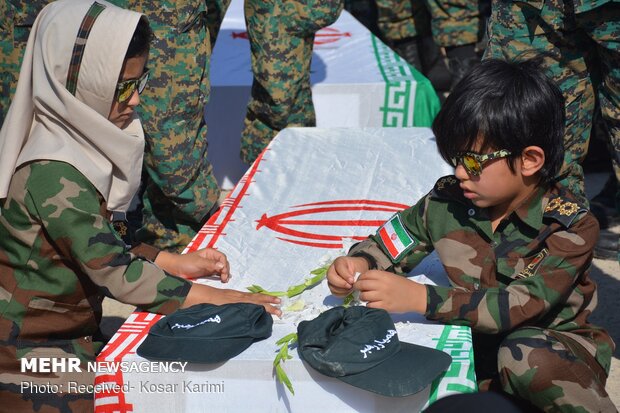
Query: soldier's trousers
{"x": 451, "y": 22}
{"x": 180, "y": 187}
{"x": 281, "y": 34}
{"x": 581, "y": 53}
{"x": 551, "y": 370}
{"x": 15, "y": 24}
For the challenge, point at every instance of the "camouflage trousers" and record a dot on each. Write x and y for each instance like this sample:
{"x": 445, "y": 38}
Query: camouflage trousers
{"x": 554, "y": 371}
{"x": 26, "y": 392}
{"x": 281, "y": 35}
{"x": 451, "y": 22}
{"x": 581, "y": 53}
{"x": 180, "y": 187}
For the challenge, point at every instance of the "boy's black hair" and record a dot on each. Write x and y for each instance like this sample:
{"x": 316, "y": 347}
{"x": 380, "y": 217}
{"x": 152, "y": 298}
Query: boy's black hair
{"x": 510, "y": 105}
{"x": 141, "y": 39}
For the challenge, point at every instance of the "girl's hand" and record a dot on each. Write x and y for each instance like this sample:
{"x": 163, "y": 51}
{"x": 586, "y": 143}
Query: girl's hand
{"x": 201, "y": 263}
{"x": 206, "y": 294}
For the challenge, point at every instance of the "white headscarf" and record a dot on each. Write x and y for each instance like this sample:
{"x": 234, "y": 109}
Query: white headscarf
{"x": 47, "y": 121}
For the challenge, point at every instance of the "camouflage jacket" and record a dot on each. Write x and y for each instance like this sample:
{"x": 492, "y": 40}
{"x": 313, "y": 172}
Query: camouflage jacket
{"x": 576, "y": 6}
{"x": 59, "y": 255}
{"x": 532, "y": 271}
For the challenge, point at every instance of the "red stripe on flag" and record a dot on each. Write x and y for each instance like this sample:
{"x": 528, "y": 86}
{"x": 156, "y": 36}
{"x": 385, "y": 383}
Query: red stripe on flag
{"x": 388, "y": 243}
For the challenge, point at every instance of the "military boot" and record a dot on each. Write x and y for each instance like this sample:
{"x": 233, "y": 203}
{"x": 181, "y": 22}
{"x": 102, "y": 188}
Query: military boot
{"x": 434, "y": 64}
{"x": 461, "y": 59}
{"x": 408, "y": 49}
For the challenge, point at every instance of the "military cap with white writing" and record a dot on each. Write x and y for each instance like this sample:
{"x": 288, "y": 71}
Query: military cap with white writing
{"x": 360, "y": 346}
{"x": 207, "y": 333}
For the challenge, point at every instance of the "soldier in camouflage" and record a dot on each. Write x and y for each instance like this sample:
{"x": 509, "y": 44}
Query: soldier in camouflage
{"x": 516, "y": 246}
{"x": 578, "y": 43}
{"x": 69, "y": 161}
{"x": 456, "y": 26}
{"x": 180, "y": 189}
{"x": 281, "y": 40}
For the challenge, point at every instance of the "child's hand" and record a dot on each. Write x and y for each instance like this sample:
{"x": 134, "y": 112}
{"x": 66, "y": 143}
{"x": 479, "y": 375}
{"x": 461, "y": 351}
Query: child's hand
{"x": 391, "y": 292}
{"x": 199, "y": 293}
{"x": 340, "y": 275}
{"x": 201, "y": 263}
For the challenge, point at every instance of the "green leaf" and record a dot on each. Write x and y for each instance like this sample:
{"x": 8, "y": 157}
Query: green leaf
{"x": 319, "y": 275}
{"x": 282, "y": 356}
{"x": 287, "y": 338}
{"x": 258, "y": 289}
{"x": 295, "y": 290}
{"x": 283, "y": 378}
{"x": 348, "y": 300}
{"x": 278, "y": 358}
{"x": 320, "y": 270}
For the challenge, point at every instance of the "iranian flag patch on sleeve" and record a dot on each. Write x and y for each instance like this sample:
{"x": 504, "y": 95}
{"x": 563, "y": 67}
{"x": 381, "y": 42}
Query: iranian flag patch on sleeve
{"x": 395, "y": 237}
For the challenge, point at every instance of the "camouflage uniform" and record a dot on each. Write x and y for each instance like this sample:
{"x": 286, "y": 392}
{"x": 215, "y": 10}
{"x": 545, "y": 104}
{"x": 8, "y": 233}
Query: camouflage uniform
{"x": 16, "y": 19}
{"x": 281, "y": 35}
{"x": 523, "y": 289}
{"x": 581, "y": 53}
{"x": 180, "y": 187}
{"x": 452, "y": 22}
{"x": 59, "y": 256}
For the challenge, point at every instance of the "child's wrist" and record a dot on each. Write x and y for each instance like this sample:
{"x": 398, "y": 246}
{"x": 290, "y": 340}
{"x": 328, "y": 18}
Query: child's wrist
{"x": 167, "y": 262}
{"x": 367, "y": 259}
{"x": 418, "y": 295}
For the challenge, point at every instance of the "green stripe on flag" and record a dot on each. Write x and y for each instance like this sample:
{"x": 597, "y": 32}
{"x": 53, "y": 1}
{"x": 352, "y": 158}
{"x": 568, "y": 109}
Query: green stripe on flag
{"x": 460, "y": 376}
{"x": 401, "y": 80}
{"x": 400, "y": 231}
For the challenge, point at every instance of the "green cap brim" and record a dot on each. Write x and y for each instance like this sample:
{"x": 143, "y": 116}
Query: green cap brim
{"x": 409, "y": 371}
{"x": 191, "y": 349}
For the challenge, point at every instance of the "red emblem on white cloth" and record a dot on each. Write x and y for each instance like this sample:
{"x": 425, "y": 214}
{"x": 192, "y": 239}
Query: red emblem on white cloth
{"x": 324, "y": 36}
{"x": 325, "y": 224}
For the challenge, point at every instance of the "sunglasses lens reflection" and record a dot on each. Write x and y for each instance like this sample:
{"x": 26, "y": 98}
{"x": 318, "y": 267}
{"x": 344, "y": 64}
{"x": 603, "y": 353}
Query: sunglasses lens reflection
{"x": 125, "y": 93}
{"x": 471, "y": 164}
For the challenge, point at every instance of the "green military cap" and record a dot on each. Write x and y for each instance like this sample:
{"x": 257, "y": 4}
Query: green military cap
{"x": 207, "y": 333}
{"x": 360, "y": 346}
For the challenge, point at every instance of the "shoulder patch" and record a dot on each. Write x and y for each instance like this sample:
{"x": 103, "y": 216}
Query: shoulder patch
{"x": 563, "y": 211}
{"x": 448, "y": 188}
{"x": 395, "y": 237}
{"x": 445, "y": 182}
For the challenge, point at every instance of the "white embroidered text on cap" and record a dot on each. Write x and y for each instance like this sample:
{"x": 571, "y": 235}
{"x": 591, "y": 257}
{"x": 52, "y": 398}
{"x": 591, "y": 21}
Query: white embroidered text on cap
{"x": 368, "y": 348}
{"x": 215, "y": 319}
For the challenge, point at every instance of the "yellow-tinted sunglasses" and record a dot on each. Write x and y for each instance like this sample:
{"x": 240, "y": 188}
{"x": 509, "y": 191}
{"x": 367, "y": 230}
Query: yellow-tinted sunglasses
{"x": 474, "y": 162}
{"x": 126, "y": 89}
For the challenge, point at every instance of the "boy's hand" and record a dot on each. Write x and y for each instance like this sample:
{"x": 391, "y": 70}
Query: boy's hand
{"x": 199, "y": 294}
{"x": 340, "y": 275}
{"x": 201, "y": 263}
{"x": 391, "y": 292}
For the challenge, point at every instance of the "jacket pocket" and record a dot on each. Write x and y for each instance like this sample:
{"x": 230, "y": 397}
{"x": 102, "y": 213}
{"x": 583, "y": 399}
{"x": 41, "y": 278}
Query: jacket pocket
{"x": 49, "y": 320}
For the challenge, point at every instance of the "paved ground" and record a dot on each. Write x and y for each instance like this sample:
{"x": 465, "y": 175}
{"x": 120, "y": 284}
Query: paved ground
{"x": 605, "y": 273}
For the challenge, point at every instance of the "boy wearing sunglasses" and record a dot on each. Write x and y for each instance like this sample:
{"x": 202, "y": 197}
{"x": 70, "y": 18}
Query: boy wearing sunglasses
{"x": 515, "y": 244}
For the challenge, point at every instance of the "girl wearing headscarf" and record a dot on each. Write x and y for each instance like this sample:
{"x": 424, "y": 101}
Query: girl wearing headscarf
{"x": 70, "y": 158}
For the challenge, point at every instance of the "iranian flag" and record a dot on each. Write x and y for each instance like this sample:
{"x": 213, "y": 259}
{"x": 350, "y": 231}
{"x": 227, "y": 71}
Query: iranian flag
{"x": 395, "y": 237}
